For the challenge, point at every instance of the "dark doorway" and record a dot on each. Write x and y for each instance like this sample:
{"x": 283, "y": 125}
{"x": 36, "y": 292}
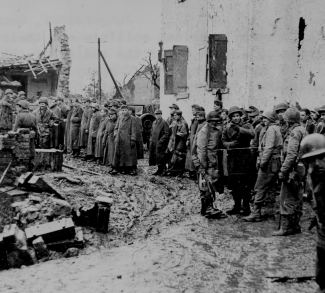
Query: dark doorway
{"x": 23, "y": 79}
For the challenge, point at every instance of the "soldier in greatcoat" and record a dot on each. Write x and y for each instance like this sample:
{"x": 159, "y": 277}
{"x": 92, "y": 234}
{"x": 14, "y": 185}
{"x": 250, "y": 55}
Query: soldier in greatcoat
{"x": 76, "y": 117}
{"x": 84, "y": 125}
{"x": 313, "y": 154}
{"x": 189, "y": 143}
{"x": 268, "y": 165}
{"x": 315, "y": 117}
{"x": 45, "y": 119}
{"x": 176, "y": 150}
{"x": 67, "y": 136}
{"x": 158, "y": 143}
{"x": 99, "y": 150}
{"x": 125, "y": 132}
{"x": 209, "y": 144}
{"x": 6, "y": 112}
{"x": 93, "y": 129}
{"x": 139, "y": 141}
{"x": 238, "y": 135}
{"x": 62, "y": 125}
{"x": 108, "y": 143}
{"x": 172, "y": 108}
{"x": 26, "y": 119}
{"x": 291, "y": 175}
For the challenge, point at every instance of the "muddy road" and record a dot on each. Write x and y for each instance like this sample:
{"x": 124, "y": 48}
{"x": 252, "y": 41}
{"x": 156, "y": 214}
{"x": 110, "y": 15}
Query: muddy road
{"x": 158, "y": 242}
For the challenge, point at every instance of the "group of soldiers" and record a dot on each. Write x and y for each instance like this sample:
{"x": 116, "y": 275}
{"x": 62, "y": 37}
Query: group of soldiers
{"x": 252, "y": 152}
{"x": 109, "y": 135}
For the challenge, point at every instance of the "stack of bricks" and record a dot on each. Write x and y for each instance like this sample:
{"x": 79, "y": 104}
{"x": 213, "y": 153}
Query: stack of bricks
{"x": 14, "y": 147}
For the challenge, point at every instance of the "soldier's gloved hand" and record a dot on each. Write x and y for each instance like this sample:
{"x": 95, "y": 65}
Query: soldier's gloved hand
{"x": 132, "y": 143}
{"x": 281, "y": 176}
{"x": 235, "y": 127}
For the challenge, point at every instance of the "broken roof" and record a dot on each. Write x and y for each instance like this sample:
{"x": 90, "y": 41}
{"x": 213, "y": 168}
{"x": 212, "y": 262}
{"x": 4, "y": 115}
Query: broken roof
{"x": 28, "y": 63}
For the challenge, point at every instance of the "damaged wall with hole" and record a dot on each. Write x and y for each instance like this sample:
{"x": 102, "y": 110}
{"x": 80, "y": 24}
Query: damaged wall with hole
{"x": 275, "y": 51}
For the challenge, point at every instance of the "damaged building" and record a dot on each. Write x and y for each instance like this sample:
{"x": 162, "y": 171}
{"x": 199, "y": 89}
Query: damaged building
{"x": 252, "y": 52}
{"x": 44, "y": 74}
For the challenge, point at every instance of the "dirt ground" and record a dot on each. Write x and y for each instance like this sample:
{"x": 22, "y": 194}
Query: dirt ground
{"x": 158, "y": 242}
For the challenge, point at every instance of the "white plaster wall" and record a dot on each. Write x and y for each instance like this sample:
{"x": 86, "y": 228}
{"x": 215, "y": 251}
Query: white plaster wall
{"x": 262, "y": 56}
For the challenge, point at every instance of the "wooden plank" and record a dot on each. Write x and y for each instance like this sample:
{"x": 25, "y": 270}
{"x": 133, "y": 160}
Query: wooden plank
{"x": 218, "y": 61}
{"x": 180, "y": 60}
{"x": 30, "y": 67}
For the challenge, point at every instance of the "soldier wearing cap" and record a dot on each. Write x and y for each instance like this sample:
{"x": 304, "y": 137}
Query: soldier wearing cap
{"x": 172, "y": 108}
{"x": 125, "y": 157}
{"x": 189, "y": 143}
{"x": 291, "y": 175}
{"x": 6, "y": 112}
{"x": 313, "y": 154}
{"x": 93, "y": 129}
{"x": 108, "y": 143}
{"x": 268, "y": 165}
{"x": 279, "y": 111}
{"x": 25, "y": 119}
{"x": 176, "y": 150}
{"x": 209, "y": 142}
{"x": 139, "y": 141}
{"x": 238, "y": 134}
{"x": 84, "y": 126}
{"x": 76, "y": 118}
{"x": 158, "y": 143}
{"x": 45, "y": 119}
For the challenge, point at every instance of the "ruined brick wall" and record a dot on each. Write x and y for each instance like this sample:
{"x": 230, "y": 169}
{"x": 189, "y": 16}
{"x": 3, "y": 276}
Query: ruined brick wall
{"x": 264, "y": 65}
{"x": 60, "y": 49}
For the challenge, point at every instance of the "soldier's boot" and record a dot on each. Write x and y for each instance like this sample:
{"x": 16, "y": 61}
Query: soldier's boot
{"x": 286, "y": 226}
{"x": 204, "y": 206}
{"x": 295, "y": 223}
{"x": 255, "y": 215}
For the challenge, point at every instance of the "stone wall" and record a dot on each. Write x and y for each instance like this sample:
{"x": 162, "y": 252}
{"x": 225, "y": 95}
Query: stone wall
{"x": 264, "y": 65}
{"x": 60, "y": 49}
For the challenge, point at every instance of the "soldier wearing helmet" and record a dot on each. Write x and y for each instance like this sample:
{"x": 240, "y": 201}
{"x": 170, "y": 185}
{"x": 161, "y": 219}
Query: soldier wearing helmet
{"x": 84, "y": 126}
{"x": 238, "y": 134}
{"x": 268, "y": 165}
{"x": 291, "y": 174}
{"x": 313, "y": 153}
{"x": 210, "y": 164}
{"x": 315, "y": 117}
{"x": 320, "y": 126}
{"x": 26, "y": 119}
{"x": 279, "y": 110}
{"x": 45, "y": 119}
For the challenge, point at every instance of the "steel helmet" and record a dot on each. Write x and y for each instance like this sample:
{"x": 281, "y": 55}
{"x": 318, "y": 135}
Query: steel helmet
{"x": 213, "y": 116}
{"x": 43, "y": 100}
{"x": 281, "y": 106}
{"x": 321, "y": 109}
{"x": 8, "y": 91}
{"x": 291, "y": 115}
{"x": 312, "y": 145}
{"x": 23, "y": 103}
{"x": 269, "y": 115}
{"x": 21, "y": 93}
{"x": 94, "y": 105}
{"x": 233, "y": 110}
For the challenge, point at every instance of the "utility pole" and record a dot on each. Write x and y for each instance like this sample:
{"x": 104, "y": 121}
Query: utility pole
{"x": 111, "y": 74}
{"x": 99, "y": 75}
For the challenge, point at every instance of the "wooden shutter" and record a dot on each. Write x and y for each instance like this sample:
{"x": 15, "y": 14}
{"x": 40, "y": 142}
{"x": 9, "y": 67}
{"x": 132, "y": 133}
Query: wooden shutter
{"x": 218, "y": 61}
{"x": 180, "y": 69}
{"x": 169, "y": 62}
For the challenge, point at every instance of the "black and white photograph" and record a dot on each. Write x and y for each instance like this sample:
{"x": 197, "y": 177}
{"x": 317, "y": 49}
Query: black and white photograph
{"x": 162, "y": 146}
